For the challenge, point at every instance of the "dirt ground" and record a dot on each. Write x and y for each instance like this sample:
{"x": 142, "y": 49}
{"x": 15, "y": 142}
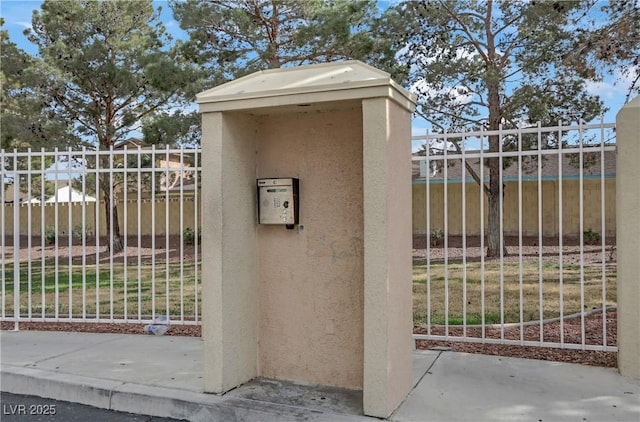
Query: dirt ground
{"x": 161, "y": 247}
{"x": 530, "y": 250}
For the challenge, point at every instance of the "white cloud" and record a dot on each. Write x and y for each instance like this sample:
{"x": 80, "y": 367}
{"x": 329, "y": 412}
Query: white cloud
{"x": 613, "y": 90}
{"x": 457, "y": 95}
{"x": 25, "y": 25}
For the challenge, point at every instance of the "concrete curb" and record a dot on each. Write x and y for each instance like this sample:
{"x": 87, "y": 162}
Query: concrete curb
{"x": 154, "y": 401}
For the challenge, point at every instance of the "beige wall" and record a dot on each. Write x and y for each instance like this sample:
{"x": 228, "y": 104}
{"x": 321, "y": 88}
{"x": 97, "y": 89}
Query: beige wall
{"x": 283, "y": 303}
{"x": 311, "y": 278}
{"x": 550, "y": 207}
{"x": 145, "y": 213}
{"x": 229, "y": 264}
{"x": 628, "y": 238}
{"x": 387, "y": 258}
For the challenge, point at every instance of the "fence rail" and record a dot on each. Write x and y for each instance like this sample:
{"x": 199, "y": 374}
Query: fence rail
{"x": 541, "y": 290}
{"x": 61, "y": 256}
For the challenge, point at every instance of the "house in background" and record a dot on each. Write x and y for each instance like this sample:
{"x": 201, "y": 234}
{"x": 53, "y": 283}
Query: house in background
{"x": 67, "y": 194}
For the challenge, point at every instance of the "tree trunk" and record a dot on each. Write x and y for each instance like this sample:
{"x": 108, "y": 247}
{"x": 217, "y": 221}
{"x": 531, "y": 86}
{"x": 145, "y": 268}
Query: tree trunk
{"x": 493, "y": 197}
{"x": 115, "y": 240}
{"x": 495, "y": 118}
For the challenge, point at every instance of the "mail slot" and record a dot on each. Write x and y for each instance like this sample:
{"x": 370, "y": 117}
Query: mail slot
{"x": 278, "y": 201}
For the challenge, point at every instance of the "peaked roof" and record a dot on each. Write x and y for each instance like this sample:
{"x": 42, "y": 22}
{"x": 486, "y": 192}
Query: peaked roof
{"x": 62, "y": 196}
{"x": 305, "y": 85}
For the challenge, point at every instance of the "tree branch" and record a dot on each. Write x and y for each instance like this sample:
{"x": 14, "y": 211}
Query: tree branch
{"x": 470, "y": 169}
{"x": 465, "y": 29}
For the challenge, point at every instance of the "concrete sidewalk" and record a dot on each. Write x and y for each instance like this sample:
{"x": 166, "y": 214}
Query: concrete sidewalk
{"x": 162, "y": 376}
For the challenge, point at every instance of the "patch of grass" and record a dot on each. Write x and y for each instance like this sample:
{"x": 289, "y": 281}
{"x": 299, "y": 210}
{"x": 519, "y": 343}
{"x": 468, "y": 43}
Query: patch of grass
{"x": 38, "y": 290}
{"x": 540, "y": 292}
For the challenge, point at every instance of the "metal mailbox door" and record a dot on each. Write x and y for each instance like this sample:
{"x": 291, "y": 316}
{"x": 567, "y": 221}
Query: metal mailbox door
{"x": 278, "y": 201}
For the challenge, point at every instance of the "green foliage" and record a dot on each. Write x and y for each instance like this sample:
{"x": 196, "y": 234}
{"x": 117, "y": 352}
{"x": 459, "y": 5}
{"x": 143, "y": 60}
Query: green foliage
{"x": 437, "y": 235}
{"x": 591, "y": 237}
{"x": 486, "y": 63}
{"x": 231, "y": 39}
{"x": 26, "y": 119}
{"x": 50, "y": 235}
{"x": 610, "y": 45}
{"x": 106, "y": 65}
{"x": 79, "y": 232}
{"x": 189, "y": 235}
{"x": 173, "y": 129}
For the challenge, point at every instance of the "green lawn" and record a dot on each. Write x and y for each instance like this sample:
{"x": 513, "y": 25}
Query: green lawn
{"x": 141, "y": 284}
{"x": 512, "y": 289}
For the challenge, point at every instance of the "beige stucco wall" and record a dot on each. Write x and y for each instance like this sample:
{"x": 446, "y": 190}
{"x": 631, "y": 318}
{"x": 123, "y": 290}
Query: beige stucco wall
{"x": 229, "y": 264}
{"x": 280, "y": 303}
{"x": 592, "y": 206}
{"x": 628, "y": 238}
{"x": 387, "y": 256}
{"x": 311, "y": 278}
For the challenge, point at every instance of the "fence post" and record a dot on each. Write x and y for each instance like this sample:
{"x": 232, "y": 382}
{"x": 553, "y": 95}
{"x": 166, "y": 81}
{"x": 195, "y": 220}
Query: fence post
{"x": 628, "y": 237}
{"x": 16, "y": 244}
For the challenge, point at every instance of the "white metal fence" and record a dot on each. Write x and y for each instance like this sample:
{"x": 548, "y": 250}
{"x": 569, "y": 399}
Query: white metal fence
{"x": 60, "y": 212}
{"x": 550, "y": 289}
{"x": 58, "y": 258}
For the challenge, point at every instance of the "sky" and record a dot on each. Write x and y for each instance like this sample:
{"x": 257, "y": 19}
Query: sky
{"x": 17, "y": 16}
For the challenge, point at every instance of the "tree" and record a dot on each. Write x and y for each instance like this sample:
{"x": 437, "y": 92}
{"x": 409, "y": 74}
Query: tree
{"x": 173, "y": 129}
{"x": 106, "y": 65}
{"x": 229, "y": 39}
{"x": 610, "y": 44}
{"x": 27, "y": 121}
{"x": 232, "y": 39}
{"x": 486, "y": 64}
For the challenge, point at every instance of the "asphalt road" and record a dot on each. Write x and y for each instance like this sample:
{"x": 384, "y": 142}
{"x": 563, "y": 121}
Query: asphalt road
{"x": 20, "y": 408}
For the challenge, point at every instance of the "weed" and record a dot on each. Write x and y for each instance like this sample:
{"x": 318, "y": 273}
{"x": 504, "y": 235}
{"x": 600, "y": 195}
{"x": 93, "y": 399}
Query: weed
{"x": 591, "y": 237}
{"x": 50, "y": 235}
{"x": 436, "y": 237}
{"x": 79, "y": 231}
{"x": 190, "y": 236}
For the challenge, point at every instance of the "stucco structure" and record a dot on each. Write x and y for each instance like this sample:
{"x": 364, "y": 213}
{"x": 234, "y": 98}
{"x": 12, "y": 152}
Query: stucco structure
{"x": 628, "y": 238}
{"x": 328, "y": 302}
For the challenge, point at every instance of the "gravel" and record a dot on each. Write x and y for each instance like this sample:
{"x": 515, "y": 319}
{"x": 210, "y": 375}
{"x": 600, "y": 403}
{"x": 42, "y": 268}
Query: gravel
{"x": 530, "y": 250}
{"x": 572, "y": 329}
